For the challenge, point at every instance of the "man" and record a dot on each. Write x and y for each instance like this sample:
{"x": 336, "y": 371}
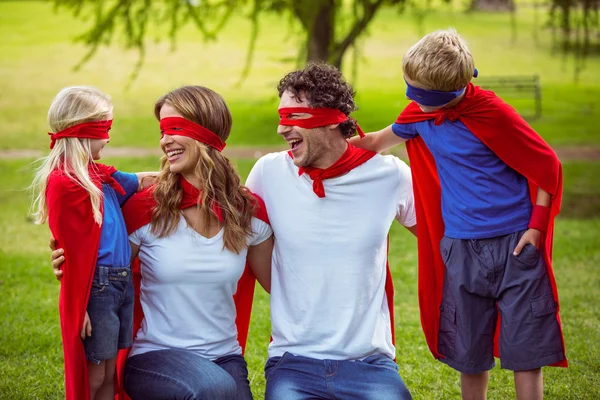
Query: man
{"x": 330, "y": 206}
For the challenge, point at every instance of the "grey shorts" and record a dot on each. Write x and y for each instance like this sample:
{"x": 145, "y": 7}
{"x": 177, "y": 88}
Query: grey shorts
{"x": 482, "y": 278}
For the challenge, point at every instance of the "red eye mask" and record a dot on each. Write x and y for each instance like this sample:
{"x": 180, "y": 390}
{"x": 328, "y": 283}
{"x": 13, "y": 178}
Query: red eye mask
{"x": 87, "y": 130}
{"x": 319, "y": 117}
{"x": 183, "y": 127}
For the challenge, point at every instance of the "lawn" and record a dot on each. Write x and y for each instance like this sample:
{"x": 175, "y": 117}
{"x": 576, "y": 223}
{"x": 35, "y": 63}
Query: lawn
{"x": 38, "y": 56}
{"x": 30, "y": 348}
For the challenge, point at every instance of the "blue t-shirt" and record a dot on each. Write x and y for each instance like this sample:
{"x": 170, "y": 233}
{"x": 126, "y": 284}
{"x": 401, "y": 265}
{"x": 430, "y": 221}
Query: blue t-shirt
{"x": 482, "y": 197}
{"x": 115, "y": 250}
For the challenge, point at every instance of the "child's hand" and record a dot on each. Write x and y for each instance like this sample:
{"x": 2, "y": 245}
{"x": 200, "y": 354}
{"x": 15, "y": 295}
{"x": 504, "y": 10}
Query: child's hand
{"x": 532, "y": 236}
{"x": 146, "y": 179}
{"x": 87, "y": 327}
{"x": 57, "y": 258}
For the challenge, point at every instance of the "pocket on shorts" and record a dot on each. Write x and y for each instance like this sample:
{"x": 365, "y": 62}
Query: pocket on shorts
{"x": 446, "y": 248}
{"x": 447, "y": 331}
{"x": 99, "y": 290}
{"x": 529, "y": 255}
{"x": 549, "y": 337}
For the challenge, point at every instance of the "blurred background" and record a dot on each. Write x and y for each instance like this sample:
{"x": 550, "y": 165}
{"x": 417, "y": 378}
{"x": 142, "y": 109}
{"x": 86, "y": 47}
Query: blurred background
{"x": 542, "y": 56}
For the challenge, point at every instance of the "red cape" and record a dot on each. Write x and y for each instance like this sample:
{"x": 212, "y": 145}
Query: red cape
{"x": 72, "y": 224}
{"x": 507, "y": 134}
{"x": 138, "y": 212}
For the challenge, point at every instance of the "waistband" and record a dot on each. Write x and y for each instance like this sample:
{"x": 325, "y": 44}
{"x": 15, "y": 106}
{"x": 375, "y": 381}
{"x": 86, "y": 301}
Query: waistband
{"x": 104, "y": 273}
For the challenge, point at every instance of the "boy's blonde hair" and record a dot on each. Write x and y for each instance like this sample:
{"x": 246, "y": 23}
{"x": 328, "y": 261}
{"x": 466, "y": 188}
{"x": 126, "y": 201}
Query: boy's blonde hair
{"x": 439, "y": 61}
{"x": 72, "y": 106}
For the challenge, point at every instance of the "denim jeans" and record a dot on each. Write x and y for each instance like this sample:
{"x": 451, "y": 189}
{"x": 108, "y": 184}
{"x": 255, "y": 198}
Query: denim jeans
{"x": 110, "y": 308}
{"x": 182, "y": 375}
{"x": 293, "y": 377}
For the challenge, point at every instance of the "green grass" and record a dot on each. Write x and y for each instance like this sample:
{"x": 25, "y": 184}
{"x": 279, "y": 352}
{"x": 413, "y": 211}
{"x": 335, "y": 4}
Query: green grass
{"x": 30, "y": 348}
{"x": 39, "y": 55}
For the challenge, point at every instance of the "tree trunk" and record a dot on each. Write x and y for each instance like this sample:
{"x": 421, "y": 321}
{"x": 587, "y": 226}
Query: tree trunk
{"x": 492, "y": 5}
{"x": 321, "y": 31}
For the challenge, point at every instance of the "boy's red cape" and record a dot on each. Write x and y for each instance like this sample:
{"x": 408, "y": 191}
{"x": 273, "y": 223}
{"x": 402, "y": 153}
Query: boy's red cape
{"x": 137, "y": 213}
{"x": 72, "y": 224}
{"x": 507, "y": 134}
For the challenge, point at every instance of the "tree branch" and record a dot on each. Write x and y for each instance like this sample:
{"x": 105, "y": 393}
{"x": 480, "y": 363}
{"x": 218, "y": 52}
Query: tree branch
{"x": 369, "y": 12}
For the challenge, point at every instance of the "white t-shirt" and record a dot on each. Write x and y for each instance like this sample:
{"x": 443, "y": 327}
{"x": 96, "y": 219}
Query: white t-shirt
{"x": 329, "y": 262}
{"x": 187, "y": 288}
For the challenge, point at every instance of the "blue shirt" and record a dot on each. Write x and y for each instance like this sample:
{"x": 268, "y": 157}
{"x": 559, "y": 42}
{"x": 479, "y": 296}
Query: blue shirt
{"x": 482, "y": 197}
{"x": 115, "y": 250}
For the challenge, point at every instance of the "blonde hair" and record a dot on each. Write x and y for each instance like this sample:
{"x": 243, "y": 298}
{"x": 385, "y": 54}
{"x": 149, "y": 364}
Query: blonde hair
{"x": 439, "y": 61}
{"x": 220, "y": 182}
{"x": 71, "y": 156}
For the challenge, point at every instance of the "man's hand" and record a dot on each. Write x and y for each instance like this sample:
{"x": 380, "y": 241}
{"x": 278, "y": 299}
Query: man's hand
{"x": 57, "y": 259}
{"x": 532, "y": 236}
{"x": 86, "y": 330}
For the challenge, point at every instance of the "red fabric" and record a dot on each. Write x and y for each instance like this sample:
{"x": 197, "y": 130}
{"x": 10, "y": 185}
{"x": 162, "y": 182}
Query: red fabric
{"x": 540, "y": 216}
{"x": 352, "y": 158}
{"x": 183, "y": 127}
{"x": 72, "y": 224}
{"x": 88, "y": 130}
{"x": 319, "y": 117}
{"x": 103, "y": 173}
{"x": 191, "y": 197}
{"x": 504, "y": 132}
{"x": 138, "y": 212}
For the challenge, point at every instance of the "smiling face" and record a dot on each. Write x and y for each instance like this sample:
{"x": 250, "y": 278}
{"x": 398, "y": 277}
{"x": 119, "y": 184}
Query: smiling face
{"x": 181, "y": 151}
{"x": 309, "y": 146}
{"x": 96, "y": 146}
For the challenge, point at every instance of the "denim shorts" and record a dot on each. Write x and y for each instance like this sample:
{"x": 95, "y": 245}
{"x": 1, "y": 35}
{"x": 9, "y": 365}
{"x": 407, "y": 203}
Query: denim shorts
{"x": 484, "y": 278}
{"x": 110, "y": 308}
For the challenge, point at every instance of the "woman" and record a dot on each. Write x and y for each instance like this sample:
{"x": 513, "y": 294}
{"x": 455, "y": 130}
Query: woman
{"x": 193, "y": 232}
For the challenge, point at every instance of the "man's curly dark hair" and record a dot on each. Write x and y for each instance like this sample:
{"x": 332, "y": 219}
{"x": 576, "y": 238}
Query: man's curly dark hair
{"x": 324, "y": 86}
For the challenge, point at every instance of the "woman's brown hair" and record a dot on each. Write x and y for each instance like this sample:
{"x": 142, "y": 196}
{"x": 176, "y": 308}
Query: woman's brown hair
{"x": 219, "y": 180}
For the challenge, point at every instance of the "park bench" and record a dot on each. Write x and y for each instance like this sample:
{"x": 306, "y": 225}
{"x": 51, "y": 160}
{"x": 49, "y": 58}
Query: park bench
{"x": 517, "y": 91}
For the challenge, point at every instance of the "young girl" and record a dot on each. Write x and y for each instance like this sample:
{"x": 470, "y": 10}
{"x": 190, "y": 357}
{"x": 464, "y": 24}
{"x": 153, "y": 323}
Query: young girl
{"x": 81, "y": 201}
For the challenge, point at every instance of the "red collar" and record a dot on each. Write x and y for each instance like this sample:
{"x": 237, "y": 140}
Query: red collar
{"x": 352, "y": 158}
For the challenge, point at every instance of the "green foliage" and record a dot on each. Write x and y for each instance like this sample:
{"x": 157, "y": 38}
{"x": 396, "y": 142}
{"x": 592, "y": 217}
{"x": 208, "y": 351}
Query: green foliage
{"x": 39, "y": 56}
{"x": 578, "y": 28}
{"x": 325, "y": 23}
{"x": 30, "y": 346}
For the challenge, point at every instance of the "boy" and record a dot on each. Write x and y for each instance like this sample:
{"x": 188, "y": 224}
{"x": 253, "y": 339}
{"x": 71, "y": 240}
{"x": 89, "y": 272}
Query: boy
{"x": 487, "y": 189}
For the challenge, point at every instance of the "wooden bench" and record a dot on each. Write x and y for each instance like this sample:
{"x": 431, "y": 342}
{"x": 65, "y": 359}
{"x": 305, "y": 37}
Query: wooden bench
{"x": 515, "y": 88}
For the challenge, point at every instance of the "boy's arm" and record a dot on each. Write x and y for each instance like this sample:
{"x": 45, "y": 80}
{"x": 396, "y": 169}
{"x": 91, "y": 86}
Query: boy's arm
{"x": 378, "y": 141}
{"x": 533, "y": 236}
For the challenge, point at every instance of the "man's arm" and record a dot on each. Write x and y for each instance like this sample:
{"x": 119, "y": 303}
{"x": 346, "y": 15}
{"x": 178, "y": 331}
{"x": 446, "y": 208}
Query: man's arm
{"x": 254, "y": 180}
{"x": 378, "y": 141}
{"x": 259, "y": 258}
